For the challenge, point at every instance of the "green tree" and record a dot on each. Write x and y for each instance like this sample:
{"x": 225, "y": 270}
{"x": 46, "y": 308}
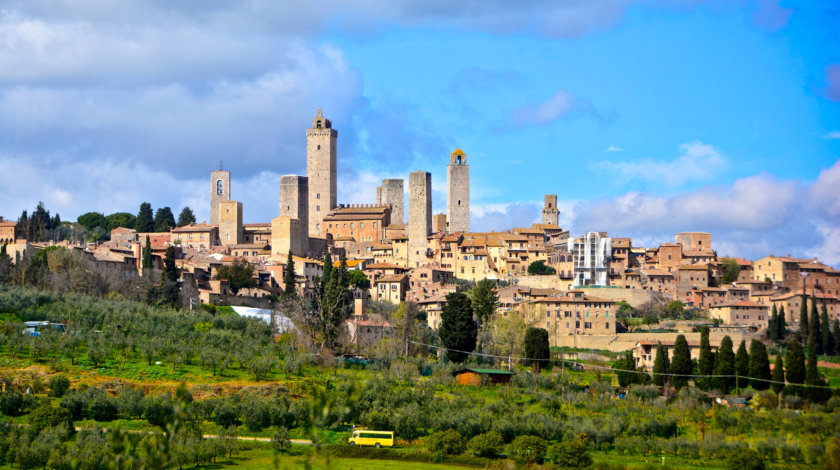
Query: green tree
{"x": 795, "y": 371}
{"x": 536, "y": 347}
{"x": 730, "y": 269}
{"x": 782, "y": 323}
{"x": 93, "y": 220}
{"x": 803, "y": 319}
{"x": 145, "y": 222}
{"x": 528, "y": 449}
{"x": 778, "y": 374}
{"x": 59, "y": 384}
{"x": 164, "y": 220}
{"x": 539, "y": 268}
{"x": 457, "y": 329}
{"x": 742, "y": 366}
{"x": 745, "y": 459}
{"x": 289, "y": 283}
{"x": 168, "y": 285}
{"x": 48, "y": 416}
{"x": 120, "y": 219}
{"x": 147, "y": 255}
{"x": 815, "y": 392}
{"x": 814, "y": 333}
{"x": 327, "y": 273}
{"x": 335, "y": 305}
{"x": 706, "y": 360}
{"x": 570, "y": 454}
{"x": 448, "y": 442}
{"x": 759, "y": 366}
{"x": 661, "y": 365}
{"x": 358, "y": 279}
{"x": 239, "y": 274}
{"x": 627, "y": 371}
{"x": 675, "y": 309}
{"x": 773, "y": 326}
{"x": 186, "y": 217}
{"x": 680, "y": 362}
{"x": 836, "y": 335}
{"x": 486, "y": 445}
{"x": 485, "y": 300}
{"x": 825, "y": 332}
{"x": 725, "y": 365}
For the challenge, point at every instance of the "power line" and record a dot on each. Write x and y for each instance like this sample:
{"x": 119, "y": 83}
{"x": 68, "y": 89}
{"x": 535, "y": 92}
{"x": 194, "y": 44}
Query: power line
{"x": 610, "y": 369}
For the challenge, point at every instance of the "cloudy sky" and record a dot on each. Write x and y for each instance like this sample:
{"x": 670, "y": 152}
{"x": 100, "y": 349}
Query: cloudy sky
{"x": 645, "y": 117}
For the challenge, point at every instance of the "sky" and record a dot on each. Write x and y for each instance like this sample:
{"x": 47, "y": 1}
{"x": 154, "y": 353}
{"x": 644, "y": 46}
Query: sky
{"x": 645, "y": 118}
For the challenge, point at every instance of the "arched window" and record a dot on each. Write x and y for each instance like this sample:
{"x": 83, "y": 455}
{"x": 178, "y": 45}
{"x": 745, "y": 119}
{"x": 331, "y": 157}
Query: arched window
{"x": 220, "y": 187}
{"x": 458, "y": 160}
{"x": 318, "y": 125}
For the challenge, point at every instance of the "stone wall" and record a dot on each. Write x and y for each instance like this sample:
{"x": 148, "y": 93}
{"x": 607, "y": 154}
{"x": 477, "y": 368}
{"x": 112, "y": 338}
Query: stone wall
{"x": 321, "y": 171}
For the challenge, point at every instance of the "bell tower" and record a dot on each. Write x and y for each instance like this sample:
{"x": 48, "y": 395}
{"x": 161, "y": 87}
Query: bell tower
{"x": 321, "y": 171}
{"x": 219, "y": 191}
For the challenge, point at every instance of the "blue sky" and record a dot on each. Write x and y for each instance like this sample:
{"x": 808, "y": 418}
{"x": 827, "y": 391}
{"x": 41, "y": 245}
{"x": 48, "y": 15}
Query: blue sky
{"x": 645, "y": 118}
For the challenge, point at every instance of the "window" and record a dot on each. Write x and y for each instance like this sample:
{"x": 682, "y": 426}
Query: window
{"x": 587, "y": 325}
{"x": 607, "y": 325}
{"x": 374, "y": 225}
{"x": 317, "y": 226}
{"x": 319, "y": 146}
{"x": 361, "y": 225}
{"x": 317, "y": 208}
{"x": 220, "y": 187}
{"x": 567, "y": 325}
{"x": 351, "y": 225}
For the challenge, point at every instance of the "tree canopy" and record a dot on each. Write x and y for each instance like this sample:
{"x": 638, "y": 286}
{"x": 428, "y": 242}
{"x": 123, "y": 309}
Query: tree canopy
{"x": 457, "y": 329}
{"x": 539, "y": 268}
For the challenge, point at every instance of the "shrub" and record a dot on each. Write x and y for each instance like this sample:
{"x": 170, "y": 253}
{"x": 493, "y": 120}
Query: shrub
{"x": 103, "y": 408}
{"x": 47, "y": 416}
{"x": 570, "y": 454}
{"x": 744, "y": 459}
{"x": 527, "y": 449}
{"x": 447, "y": 442}
{"x": 486, "y": 445}
{"x": 11, "y": 403}
{"x": 59, "y": 385}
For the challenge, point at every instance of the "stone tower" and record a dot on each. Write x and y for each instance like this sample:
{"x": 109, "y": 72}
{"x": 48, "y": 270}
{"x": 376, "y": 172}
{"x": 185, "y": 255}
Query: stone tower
{"x": 550, "y": 213}
{"x": 458, "y": 192}
{"x": 294, "y": 198}
{"x": 392, "y": 192}
{"x": 230, "y": 222}
{"x": 419, "y": 216}
{"x": 219, "y": 191}
{"x": 321, "y": 171}
{"x": 439, "y": 223}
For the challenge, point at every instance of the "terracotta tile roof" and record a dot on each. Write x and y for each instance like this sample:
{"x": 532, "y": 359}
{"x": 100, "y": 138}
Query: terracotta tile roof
{"x": 694, "y": 267}
{"x": 257, "y": 225}
{"x": 739, "y": 303}
{"x": 194, "y": 228}
{"x": 391, "y": 278}
{"x": 384, "y": 266}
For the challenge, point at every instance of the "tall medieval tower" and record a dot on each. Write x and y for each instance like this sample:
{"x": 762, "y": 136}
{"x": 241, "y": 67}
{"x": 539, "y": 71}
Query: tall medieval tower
{"x": 419, "y": 216}
{"x": 392, "y": 192}
{"x": 219, "y": 191}
{"x": 321, "y": 171}
{"x": 550, "y": 213}
{"x": 458, "y": 192}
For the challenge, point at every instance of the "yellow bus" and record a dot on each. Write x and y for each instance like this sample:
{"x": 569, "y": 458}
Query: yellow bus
{"x": 372, "y": 438}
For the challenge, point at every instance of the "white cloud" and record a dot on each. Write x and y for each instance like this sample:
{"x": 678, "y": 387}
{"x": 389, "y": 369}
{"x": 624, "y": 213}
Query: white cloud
{"x": 613, "y": 148}
{"x": 696, "y": 162}
{"x": 832, "y": 135}
{"x": 562, "y": 104}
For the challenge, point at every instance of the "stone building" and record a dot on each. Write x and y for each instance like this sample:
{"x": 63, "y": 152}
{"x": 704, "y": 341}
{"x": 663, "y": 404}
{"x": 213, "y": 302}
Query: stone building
{"x": 230, "y": 223}
{"x": 741, "y": 313}
{"x": 550, "y": 213}
{"x": 361, "y": 222}
{"x": 198, "y": 237}
{"x": 219, "y": 191}
{"x": 419, "y": 216}
{"x": 7, "y": 231}
{"x": 694, "y": 241}
{"x": 458, "y": 192}
{"x": 288, "y": 235}
{"x": 572, "y": 315}
{"x": 321, "y": 170}
{"x": 392, "y": 192}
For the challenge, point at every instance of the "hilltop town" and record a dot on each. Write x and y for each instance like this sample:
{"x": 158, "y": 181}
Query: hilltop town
{"x": 572, "y": 285}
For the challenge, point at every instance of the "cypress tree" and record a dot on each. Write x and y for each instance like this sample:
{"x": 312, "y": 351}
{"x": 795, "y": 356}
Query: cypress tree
{"x": 812, "y": 377}
{"x": 782, "y": 323}
{"x": 164, "y": 220}
{"x": 773, "y": 327}
{"x": 725, "y": 365}
{"x": 661, "y": 365}
{"x": 681, "y": 362}
{"x": 778, "y": 374}
{"x": 186, "y": 217}
{"x": 334, "y": 305}
{"x": 147, "y": 255}
{"x": 795, "y": 372}
{"x": 759, "y": 365}
{"x": 537, "y": 348}
{"x": 825, "y": 332}
{"x": 457, "y": 330}
{"x": 742, "y": 366}
{"x": 814, "y": 334}
{"x": 706, "y": 361}
{"x": 836, "y": 335}
{"x": 328, "y": 267}
{"x": 803, "y": 319}
{"x": 145, "y": 221}
{"x": 289, "y": 282}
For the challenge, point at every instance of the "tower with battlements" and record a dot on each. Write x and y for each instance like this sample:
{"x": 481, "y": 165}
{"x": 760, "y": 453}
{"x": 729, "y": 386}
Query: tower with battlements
{"x": 458, "y": 192}
{"x": 321, "y": 171}
{"x": 219, "y": 191}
